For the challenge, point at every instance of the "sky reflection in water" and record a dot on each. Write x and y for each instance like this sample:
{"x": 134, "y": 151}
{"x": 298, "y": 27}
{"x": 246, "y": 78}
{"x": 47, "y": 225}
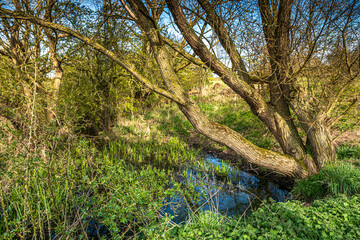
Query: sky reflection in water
{"x": 245, "y": 192}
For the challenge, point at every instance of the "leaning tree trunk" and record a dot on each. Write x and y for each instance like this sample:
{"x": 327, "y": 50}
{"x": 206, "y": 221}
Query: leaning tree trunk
{"x": 297, "y": 164}
{"x": 277, "y": 162}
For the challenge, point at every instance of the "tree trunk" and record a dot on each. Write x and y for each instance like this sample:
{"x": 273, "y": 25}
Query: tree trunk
{"x": 276, "y": 26}
{"x": 52, "y": 40}
{"x": 277, "y": 162}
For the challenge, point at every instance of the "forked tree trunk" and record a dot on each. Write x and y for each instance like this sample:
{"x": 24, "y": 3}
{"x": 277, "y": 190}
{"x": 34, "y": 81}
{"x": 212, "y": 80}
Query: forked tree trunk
{"x": 277, "y": 162}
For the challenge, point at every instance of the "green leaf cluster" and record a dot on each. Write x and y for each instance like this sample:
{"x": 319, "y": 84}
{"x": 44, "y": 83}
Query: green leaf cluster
{"x": 334, "y": 218}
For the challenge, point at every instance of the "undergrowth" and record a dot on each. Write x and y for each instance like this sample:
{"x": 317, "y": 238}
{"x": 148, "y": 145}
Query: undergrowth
{"x": 333, "y": 218}
{"x": 342, "y": 177}
{"x": 73, "y": 190}
{"x": 67, "y": 188}
{"x": 335, "y": 179}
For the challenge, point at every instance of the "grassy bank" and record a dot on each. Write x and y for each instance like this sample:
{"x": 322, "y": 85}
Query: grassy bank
{"x": 79, "y": 192}
{"x": 58, "y": 185}
{"x": 67, "y": 187}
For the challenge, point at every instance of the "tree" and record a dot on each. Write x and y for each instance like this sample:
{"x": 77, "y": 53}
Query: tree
{"x": 294, "y": 37}
{"x": 26, "y": 44}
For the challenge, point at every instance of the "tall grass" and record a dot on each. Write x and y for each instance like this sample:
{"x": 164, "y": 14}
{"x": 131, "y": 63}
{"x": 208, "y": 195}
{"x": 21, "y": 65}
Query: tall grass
{"x": 73, "y": 190}
{"x": 335, "y": 179}
{"x": 156, "y": 150}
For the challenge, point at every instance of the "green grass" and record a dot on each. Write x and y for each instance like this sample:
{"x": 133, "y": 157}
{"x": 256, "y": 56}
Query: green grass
{"x": 335, "y": 179}
{"x": 239, "y": 117}
{"x": 62, "y": 192}
{"x": 156, "y": 151}
{"x": 234, "y": 115}
{"x": 342, "y": 177}
{"x": 170, "y": 120}
{"x": 348, "y": 152}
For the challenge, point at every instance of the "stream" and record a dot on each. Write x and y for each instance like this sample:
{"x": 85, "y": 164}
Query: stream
{"x": 234, "y": 193}
{"x": 240, "y": 194}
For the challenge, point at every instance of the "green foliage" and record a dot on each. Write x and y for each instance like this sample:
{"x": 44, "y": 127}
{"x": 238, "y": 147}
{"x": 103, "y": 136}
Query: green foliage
{"x": 343, "y": 178}
{"x": 334, "y": 218}
{"x": 331, "y": 219}
{"x": 91, "y": 92}
{"x": 206, "y": 225}
{"x": 310, "y": 188}
{"x": 124, "y": 199}
{"x": 335, "y": 179}
{"x": 155, "y": 150}
{"x": 61, "y": 192}
{"x": 348, "y": 152}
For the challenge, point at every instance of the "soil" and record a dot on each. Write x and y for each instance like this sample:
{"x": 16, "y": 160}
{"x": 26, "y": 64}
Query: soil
{"x": 346, "y": 138}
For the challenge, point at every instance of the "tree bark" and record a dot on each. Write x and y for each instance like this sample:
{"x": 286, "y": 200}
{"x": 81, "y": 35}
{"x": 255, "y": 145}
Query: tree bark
{"x": 277, "y": 162}
{"x": 52, "y": 40}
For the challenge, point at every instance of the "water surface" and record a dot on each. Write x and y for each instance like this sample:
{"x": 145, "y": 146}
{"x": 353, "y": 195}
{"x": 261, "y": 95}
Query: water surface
{"x": 237, "y": 193}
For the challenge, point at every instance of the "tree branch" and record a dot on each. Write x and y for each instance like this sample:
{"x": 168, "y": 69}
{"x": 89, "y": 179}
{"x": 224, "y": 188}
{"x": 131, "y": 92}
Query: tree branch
{"x": 182, "y": 52}
{"x": 228, "y": 44}
{"x": 127, "y": 66}
{"x": 249, "y": 94}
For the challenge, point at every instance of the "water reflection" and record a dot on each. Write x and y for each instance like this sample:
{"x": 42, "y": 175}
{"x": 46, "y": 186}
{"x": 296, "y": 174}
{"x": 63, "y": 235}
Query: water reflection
{"x": 240, "y": 194}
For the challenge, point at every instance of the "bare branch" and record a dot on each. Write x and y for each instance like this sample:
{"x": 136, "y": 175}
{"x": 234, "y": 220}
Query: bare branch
{"x": 228, "y": 44}
{"x": 96, "y": 46}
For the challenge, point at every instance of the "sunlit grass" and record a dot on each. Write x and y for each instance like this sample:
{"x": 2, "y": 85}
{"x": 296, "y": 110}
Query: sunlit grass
{"x": 333, "y": 180}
